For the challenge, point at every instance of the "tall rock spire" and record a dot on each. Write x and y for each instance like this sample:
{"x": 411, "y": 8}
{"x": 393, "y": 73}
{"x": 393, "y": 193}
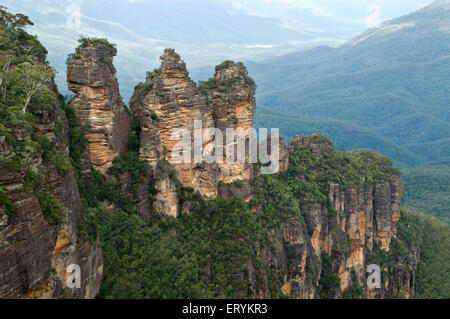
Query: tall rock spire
{"x": 92, "y": 77}
{"x": 169, "y": 100}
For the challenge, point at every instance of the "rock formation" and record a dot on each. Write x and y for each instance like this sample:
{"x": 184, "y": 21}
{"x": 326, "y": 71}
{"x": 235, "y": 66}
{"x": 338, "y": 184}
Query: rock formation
{"x": 92, "y": 77}
{"x": 34, "y": 254}
{"x": 169, "y": 101}
{"x": 346, "y": 231}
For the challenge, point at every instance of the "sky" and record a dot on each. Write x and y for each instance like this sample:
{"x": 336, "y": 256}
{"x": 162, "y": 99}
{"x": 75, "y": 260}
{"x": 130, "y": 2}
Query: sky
{"x": 368, "y": 12}
{"x": 294, "y": 14}
{"x": 364, "y": 12}
{"x": 178, "y": 20}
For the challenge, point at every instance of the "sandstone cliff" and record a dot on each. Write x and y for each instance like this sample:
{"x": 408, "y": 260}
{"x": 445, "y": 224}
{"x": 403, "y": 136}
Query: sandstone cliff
{"x": 337, "y": 234}
{"x": 35, "y": 254}
{"x": 343, "y": 232}
{"x": 40, "y": 207}
{"x": 169, "y": 101}
{"x": 92, "y": 77}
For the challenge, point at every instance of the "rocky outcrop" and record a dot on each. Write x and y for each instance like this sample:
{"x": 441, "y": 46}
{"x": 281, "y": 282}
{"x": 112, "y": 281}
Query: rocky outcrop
{"x": 233, "y": 105}
{"x": 25, "y": 247}
{"x": 167, "y": 201}
{"x": 169, "y": 101}
{"x": 92, "y": 77}
{"x": 316, "y": 143}
{"x": 346, "y": 231}
{"x": 34, "y": 254}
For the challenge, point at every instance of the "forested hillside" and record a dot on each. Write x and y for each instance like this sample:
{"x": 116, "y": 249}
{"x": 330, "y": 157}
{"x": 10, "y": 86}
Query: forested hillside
{"x": 428, "y": 190}
{"x": 432, "y": 237}
{"x": 387, "y": 89}
{"x": 40, "y": 209}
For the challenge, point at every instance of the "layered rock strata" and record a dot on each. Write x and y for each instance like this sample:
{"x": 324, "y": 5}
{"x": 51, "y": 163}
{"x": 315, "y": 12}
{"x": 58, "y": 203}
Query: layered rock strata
{"x": 92, "y": 77}
{"x": 169, "y": 101}
{"x": 356, "y": 220}
{"x": 35, "y": 255}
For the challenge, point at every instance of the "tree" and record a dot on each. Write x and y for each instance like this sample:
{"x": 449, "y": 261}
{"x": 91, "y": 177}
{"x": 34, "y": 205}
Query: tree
{"x": 15, "y": 21}
{"x": 33, "y": 78}
{"x": 5, "y": 66}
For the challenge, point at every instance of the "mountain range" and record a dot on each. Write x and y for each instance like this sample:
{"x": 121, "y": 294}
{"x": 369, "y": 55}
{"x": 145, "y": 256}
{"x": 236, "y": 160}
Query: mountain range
{"x": 205, "y": 32}
{"x": 385, "y": 90}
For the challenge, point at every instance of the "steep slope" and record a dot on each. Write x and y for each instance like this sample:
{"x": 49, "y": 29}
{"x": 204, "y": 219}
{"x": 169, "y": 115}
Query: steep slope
{"x": 391, "y": 81}
{"x": 40, "y": 208}
{"x": 432, "y": 238}
{"x": 308, "y": 231}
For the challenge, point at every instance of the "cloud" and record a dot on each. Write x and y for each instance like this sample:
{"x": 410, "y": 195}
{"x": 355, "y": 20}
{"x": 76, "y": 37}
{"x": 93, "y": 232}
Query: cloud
{"x": 277, "y": 7}
{"x": 365, "y": 13}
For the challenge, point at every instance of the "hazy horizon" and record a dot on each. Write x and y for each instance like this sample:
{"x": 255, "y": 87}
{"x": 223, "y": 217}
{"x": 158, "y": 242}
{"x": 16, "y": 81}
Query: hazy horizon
{"x": 204, "y": 32}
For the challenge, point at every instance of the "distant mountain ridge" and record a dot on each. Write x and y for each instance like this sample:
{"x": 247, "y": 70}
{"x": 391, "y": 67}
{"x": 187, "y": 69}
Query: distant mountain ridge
{"x": 389, "y": 84}
{"x": 206, "y": 32}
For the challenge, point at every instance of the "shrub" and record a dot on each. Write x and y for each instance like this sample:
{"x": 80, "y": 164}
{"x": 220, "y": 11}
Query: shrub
{"x": 71, "y": 57}
{"x": 89, "y": 226}
{"x": 328, "y": 281}
{"x": 353, "y": 292}
{"x": 52, "y": 156}
{"x": 96, "y": 42}
{"x": 78, "y": 141}
{"x": 51, "y": 208}
{"x": 5, "y": 202}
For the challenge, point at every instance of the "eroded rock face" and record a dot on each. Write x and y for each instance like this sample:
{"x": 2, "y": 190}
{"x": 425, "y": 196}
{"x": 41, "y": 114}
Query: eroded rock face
{"x": 316, "y": 143}
{"x": 347, "y": 231}
{"x": 35, "y": 255}
{"x": 233, "y": 105}
{"x": 167, "y": 202}
{"x": 25, "y": 248}
{"x": 169, "y": 101}
{"x": 92, "y": 77}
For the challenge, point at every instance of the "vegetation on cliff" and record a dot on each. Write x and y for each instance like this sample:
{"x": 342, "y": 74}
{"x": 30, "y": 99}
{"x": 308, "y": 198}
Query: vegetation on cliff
{"x": 214, "y": 252}
{"x": 227, "y": 84}
{"x": 25, "y": 88}
{"x": 432, "y": 238}
{"x": 39, "y": 200}
{"x": 210, "y": 252}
